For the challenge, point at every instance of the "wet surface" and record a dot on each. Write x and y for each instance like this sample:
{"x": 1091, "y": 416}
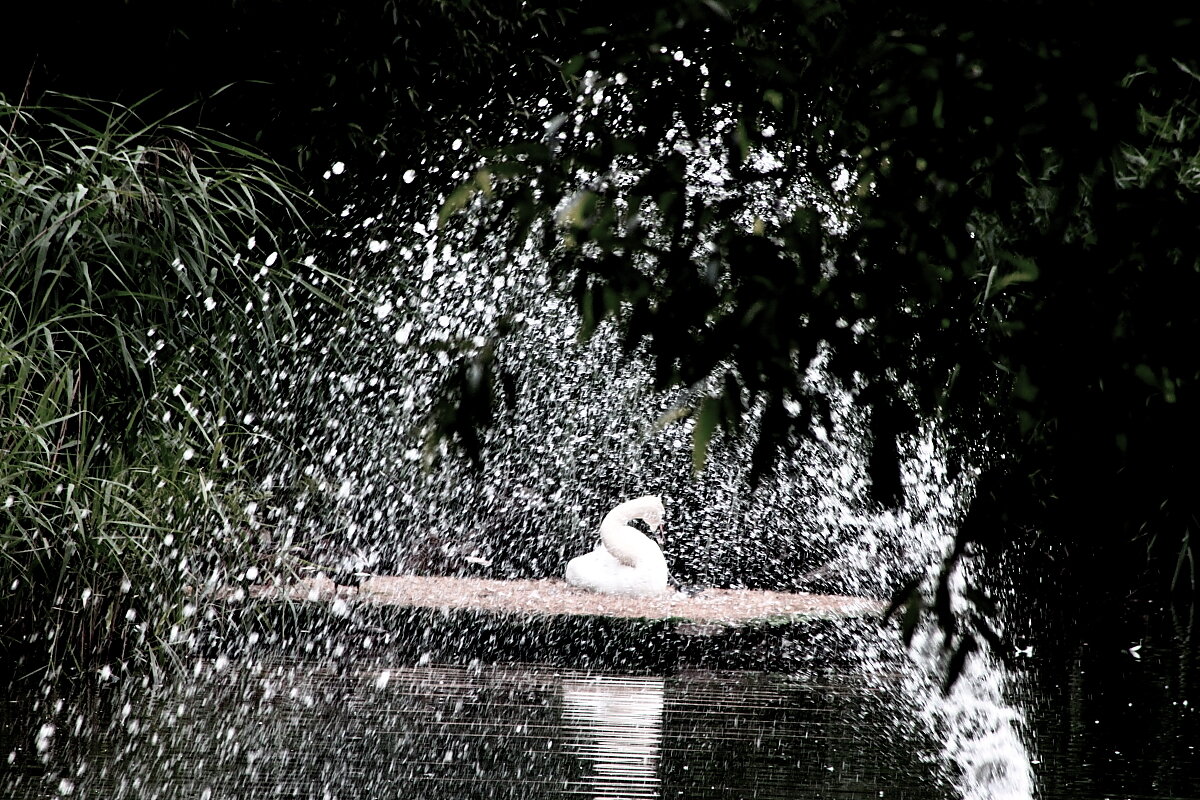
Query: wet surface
{"x": 284, "y": 729}
{"x": 1112, "y": 715}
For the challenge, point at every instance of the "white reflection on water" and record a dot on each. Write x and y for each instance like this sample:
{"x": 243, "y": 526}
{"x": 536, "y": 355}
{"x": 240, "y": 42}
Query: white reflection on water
{"x": 616, "y": 724}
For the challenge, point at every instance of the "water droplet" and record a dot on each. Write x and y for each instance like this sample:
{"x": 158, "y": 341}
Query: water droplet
{"x": 44, "y": 735}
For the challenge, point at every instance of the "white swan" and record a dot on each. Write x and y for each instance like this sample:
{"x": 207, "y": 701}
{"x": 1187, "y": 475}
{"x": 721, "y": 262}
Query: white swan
{"x": 626, "y": 561}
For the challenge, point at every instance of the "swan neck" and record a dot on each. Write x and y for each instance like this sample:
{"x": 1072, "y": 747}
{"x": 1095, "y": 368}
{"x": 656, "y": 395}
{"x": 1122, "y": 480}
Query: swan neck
{"x": 628, "y": 511}
{"x": 627, "y": 544}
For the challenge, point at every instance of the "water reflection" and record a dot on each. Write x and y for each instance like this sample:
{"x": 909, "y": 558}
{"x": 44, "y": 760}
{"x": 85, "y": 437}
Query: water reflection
{"x": 282, "y": 728}
{"x": 616, "y": 726}
{"x": 1102, "y": 722}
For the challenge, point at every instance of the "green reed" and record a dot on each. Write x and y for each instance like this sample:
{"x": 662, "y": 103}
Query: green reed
{"x": 136, "y": 325}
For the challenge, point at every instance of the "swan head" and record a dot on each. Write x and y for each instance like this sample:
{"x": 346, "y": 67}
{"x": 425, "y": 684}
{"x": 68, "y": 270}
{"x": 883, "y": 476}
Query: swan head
{"x": 650, "y": 510}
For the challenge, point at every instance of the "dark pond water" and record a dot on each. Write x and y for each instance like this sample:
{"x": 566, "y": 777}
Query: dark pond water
{"x": 1111, "y": 716}
{"x": 281, "y": 729}
{"x": 1113, "y": 707}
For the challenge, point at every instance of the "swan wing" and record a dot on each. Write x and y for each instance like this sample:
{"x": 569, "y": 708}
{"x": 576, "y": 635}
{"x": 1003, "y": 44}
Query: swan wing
{"x": 599, "y": 571}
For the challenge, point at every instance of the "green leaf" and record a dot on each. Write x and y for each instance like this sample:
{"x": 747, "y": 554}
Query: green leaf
{"x": 958, "y": 661}
{"x": 1026, "y": 270}
{"x": 903, "y": 595}
{"x": 483, "y": 180}
{"x": 1024, "y": 387}
{"x": 577, "y": 213}
{"x": 572, "y": 67}
{"x": 1146, "y": 374}
{"x": 911, "y": 618}
{"x": 706, "y": 423}
{"x": 719, "y": 9}
{"x": 457, "y": 200}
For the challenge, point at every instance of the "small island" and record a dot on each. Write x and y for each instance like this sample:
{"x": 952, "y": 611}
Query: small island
{"x": 553, "y": 597}
{"x": 443, "y": 619}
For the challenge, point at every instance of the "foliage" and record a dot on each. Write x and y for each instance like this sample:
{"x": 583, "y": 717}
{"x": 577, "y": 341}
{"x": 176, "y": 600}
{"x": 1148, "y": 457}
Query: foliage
{"x": 126, "y": 276}
{"x": 983, "y": 213}
{"x": 966, "y": 214}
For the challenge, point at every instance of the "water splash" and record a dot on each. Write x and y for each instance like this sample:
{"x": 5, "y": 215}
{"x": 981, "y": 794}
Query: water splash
{"x": 587, "y": 433}
{"x": 583, "y": 438}
{"x": 350, "y": 481}
{"x": 978, "y": 731}
{"x": 347, "y": 489}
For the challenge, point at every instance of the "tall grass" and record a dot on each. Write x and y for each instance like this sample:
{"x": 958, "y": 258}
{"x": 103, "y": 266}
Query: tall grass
{"x": 139, "y": 302}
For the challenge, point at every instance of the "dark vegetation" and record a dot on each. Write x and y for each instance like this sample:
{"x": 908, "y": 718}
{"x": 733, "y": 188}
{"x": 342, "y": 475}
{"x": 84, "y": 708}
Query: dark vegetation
{"x": 132, "y": 308}
{"x": 981, "y": 214}
{"x": 1013, "y": 251}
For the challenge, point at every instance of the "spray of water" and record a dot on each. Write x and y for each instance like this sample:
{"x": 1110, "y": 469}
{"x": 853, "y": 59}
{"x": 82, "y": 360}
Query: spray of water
{"x": 355, "y": 481}
{"x": 585, "y": 434}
